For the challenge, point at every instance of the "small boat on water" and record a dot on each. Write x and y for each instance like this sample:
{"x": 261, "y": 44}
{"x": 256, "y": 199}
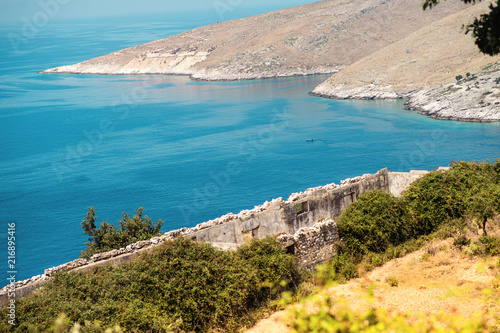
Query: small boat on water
{"x": 309, "y": 140}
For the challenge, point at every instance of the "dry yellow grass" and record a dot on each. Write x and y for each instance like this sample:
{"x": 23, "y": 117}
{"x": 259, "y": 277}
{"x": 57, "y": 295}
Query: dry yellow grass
{"x": 438, "y": 278}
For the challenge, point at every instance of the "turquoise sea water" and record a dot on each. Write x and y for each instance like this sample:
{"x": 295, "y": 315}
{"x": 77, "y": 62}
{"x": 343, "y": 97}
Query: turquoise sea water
{"x": 185, "y": 151}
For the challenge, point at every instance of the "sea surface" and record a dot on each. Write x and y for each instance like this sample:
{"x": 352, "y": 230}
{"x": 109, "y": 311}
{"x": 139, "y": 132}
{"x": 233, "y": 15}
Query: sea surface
{"x": 186, "y": 151}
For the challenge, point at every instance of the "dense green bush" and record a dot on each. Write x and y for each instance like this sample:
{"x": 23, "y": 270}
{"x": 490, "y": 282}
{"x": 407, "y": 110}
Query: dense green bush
{"x": 181, "y": 286}
{"x": 491, "y": 245}
{"x": 342, "y": 268}
{"x": 378, "y": 220}
{"x": 468, "y": 188}
{"x": 379, "y": 227}
{"x": 374, "y": 222}
{"x": 107, "y": 237}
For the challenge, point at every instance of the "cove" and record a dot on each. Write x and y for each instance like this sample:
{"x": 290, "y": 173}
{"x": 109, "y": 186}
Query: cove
{"x": 186, "y": 151}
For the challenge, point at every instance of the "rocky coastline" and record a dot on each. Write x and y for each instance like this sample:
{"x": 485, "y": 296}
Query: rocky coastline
{"x": 417, "y": 59}
{"x": 472, "y": 97}
{"x": 438, "y": 69}
{"x": 362, "y": 92}
{"x": 195, "y": 75}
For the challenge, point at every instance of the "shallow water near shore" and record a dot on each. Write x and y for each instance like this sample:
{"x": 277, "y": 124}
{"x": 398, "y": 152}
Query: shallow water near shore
{"x": 185, "y": 151}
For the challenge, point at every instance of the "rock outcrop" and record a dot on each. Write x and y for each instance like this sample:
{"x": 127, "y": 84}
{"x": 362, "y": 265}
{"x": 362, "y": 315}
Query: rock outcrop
{"x": 473, "y": 97}
{"x": 316, "y": 38}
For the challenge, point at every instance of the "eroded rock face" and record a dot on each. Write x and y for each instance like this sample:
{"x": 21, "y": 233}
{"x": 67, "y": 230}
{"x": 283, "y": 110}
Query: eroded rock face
{"x": 474, "y": 97}
{"x": 316, "y": 38}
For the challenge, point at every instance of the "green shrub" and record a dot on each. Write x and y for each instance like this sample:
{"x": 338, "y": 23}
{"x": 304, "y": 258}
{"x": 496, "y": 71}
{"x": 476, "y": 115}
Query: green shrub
{"x": 373, "y": 223}
{"x": 461, "y": 241}
{"x": 491, "y": 245}
{"x": 180, "y": 286}
{"x": 271, "y": 265}
{"x": 474, "y": 248}
{"x": 341, "y": 268}
{"x": 107, "y": 237}
{"x": 425, "y": 257}
{"x": 392, "y": 281}
{"x": 468, "y": 188}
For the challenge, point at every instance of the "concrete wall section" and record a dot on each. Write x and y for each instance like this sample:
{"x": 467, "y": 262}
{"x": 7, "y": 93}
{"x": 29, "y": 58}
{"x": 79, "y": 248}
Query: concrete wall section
{"x": 301, "y": 210}
{"x": 399, "y": 181}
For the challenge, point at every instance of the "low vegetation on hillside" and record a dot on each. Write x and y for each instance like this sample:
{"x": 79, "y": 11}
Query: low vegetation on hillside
{"x": 180, "y": 286}
{"x": 184, "y": 286}
{"x": 380, "y": 227}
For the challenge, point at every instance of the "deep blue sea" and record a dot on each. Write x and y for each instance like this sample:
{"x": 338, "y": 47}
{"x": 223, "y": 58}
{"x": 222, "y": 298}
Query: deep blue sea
{"x": 185, "y": 151}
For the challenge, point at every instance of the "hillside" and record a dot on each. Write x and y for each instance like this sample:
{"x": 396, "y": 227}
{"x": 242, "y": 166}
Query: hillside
{"x": 320, "y": 37}
{"x": 429, "y": 57}
{"x": 441, "y": 277}
{"x": 424, "y": 67}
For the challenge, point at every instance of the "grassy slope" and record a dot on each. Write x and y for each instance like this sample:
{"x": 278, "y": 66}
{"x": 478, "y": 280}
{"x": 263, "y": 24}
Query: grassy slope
{"x": 438, "y": 278}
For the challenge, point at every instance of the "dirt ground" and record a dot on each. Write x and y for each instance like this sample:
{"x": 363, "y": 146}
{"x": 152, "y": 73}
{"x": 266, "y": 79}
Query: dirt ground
{"x": 439, "y": 277}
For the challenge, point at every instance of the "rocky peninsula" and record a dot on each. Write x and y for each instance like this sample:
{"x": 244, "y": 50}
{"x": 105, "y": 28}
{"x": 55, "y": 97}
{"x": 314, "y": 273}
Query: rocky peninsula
{"x": 473, "y": 97}
{"x": 316, "y": 38}
{"x": 378, "y": 49}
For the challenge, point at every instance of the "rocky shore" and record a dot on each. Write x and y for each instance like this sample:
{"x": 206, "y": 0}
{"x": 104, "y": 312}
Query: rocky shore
{"x": 363, "y": 92}
{"x": 473, "y": 97}
{"x": 413, "y": 56}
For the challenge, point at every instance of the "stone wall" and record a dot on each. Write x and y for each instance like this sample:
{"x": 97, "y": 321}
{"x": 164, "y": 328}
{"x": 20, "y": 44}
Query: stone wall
{"x": 295, "y": 216}
{"x": 399, "y": 181}
{"x": 278, "y": 216}
{"x": 313, "y": 245}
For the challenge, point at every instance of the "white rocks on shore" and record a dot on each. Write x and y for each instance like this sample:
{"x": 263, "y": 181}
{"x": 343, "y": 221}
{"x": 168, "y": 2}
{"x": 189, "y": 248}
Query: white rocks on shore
{"x": 474, "y": 97}
{"x": 360, "y": 92}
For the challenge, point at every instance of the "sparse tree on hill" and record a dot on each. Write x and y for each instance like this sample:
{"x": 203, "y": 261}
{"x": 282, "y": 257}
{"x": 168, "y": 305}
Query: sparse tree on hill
{"x": 485, "y": 28}
{"x": 107, "y": 237}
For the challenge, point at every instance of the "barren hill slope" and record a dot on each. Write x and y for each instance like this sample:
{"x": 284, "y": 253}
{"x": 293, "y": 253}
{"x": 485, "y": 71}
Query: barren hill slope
{"x": 430, "y": 57}
{"x": 320, "y": 37}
